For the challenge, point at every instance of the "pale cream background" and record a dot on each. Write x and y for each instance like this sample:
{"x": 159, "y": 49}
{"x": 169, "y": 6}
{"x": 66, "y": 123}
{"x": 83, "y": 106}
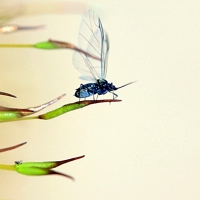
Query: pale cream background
{"x": 147, "y": 146}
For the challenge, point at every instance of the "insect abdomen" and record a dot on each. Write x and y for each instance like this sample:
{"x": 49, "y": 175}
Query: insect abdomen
{"x": 86, "y": 90}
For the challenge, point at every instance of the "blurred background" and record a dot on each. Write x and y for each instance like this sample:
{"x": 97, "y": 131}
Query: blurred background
{"x": 145, "y": 147}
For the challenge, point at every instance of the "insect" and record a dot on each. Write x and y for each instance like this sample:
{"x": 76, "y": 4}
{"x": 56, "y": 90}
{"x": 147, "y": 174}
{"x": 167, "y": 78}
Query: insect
{"x": 18, "y": 162}
{"x": 94, "y": 40}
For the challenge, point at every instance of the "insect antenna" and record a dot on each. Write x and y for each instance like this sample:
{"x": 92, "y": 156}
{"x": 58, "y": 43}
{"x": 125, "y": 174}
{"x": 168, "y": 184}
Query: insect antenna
{"x": 126, "y": 85}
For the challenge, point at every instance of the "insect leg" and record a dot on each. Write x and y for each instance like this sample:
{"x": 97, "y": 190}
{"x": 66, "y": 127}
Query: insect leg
{"x": 114, "y": 95}
{"x": 94, "y": 97}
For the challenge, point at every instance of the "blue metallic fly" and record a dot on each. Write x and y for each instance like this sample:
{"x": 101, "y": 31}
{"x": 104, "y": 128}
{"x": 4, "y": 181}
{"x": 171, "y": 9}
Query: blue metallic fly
{"x": 94, "y": 40}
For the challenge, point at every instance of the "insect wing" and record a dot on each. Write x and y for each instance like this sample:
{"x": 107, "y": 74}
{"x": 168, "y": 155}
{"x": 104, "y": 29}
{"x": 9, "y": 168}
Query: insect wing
{"x": 93, "y": 40}
{"x": 104, "y": 51}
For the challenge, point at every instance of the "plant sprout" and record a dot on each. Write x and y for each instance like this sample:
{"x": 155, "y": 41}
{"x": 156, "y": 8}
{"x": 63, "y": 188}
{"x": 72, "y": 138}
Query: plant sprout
{"x": 38, "y": 168}
{"x": 16, "y": 114}
{"x": 49, "y": 45}
{"x": 8, "y": 114}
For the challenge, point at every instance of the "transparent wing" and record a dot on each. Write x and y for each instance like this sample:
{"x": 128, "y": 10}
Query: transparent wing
{"x": 94, "y": 40}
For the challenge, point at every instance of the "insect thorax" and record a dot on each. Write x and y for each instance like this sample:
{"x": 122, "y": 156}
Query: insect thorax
{"x": 103, "y": 86}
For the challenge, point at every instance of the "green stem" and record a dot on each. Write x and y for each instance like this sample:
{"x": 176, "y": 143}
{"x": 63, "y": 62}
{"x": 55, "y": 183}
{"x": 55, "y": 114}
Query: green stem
{"x": 8, "y": 167}
{"x": 39, "y": 45}
{"x": 59, "y": 111}
{"x": 17, "y": 45}
{"x": 20, "y": 119}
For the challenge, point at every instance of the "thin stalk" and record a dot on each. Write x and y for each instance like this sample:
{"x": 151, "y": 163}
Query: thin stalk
{"x": 21, "y": 119}
{"x": 17, "y": 45}
{"x": 8, "y": 167}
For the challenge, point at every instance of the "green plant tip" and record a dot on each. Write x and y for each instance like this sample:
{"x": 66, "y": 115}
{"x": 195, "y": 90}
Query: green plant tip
{"x": 45, "y": 45}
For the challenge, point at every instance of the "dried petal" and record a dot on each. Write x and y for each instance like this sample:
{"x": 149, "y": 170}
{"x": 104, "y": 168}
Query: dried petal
{"x": 12, "y": 147}
{"x": 7, "y": 94}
